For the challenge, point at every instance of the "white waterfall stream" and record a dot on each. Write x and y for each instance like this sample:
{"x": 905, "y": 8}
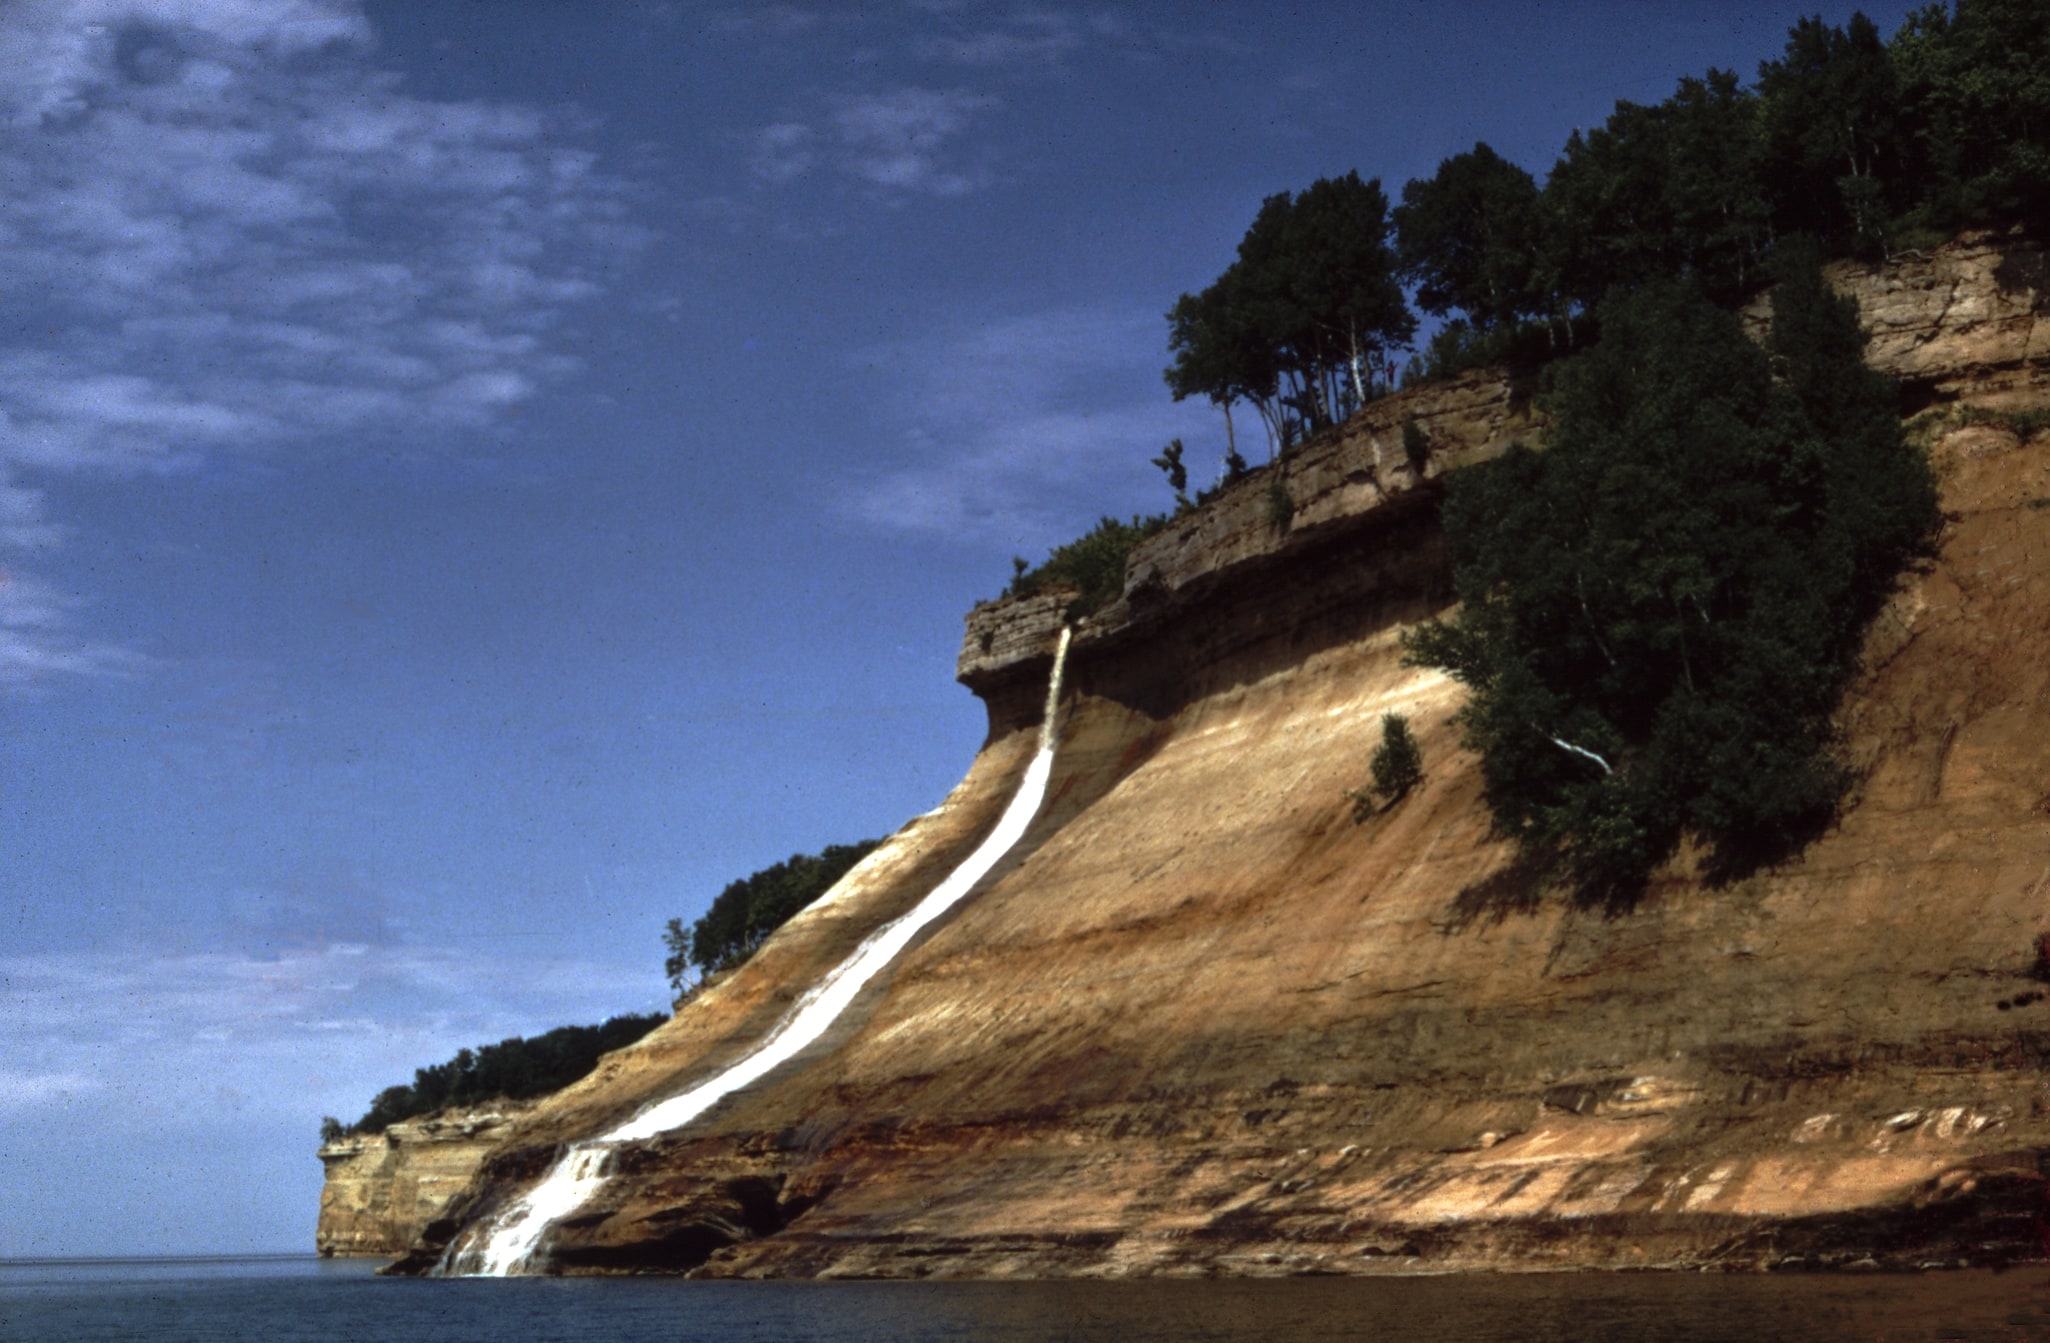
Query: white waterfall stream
{"x": 507, "y": 1244}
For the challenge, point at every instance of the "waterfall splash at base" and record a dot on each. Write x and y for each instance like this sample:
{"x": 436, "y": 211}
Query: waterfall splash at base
{"x": 507, "y": 1245}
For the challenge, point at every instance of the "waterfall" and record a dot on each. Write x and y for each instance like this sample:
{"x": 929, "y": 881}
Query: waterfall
{"x": 506, "y": 1246}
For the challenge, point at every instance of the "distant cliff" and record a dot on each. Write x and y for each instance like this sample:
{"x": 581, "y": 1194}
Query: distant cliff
{"x": 382, "y": 1188}
{"x": 1204, "y": 1021}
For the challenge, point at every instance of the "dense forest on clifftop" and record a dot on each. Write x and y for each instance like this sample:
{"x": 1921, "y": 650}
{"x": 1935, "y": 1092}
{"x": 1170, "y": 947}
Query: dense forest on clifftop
{"x": 1661, "y": 612}
{"x": 1860, "y": 145}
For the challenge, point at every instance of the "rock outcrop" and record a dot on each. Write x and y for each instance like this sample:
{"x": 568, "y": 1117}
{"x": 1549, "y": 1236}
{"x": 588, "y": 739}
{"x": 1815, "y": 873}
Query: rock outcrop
{"x": 382, "y": 1189}
{"x": 1204, "y": 1020}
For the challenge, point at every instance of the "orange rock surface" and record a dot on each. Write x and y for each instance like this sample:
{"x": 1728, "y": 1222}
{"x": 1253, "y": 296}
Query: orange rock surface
{"x": 1204, "y": 1020}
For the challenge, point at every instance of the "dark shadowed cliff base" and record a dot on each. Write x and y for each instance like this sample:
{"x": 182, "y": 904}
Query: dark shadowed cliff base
{"x": 1204, "y": 1021}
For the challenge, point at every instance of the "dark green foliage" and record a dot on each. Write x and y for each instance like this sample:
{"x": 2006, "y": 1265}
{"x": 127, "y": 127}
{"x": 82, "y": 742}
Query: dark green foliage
{"x": 1660, "y": 192}
{"x": 1867, "y": 144}
{"x": 1177, "y": 472}
{"x": 332, "y": 1129}
{"x": 1298, "y": 323}
{"x": 1397, "y": 764}
{"x": 1975, "y": 88}
{"x": 1471, "y": 238}
{"x": 748, "y": 910}
{"x": 1659, "y": 611}
{"x": 1832, "y": 153}
{"x": 1458, "y": 346}
{"x": 1092, "y": 564}
{"x": 2024, "y": 422}
{"x": 512, "y": 1069}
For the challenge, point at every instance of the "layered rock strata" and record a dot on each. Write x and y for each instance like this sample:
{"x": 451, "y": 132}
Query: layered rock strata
{"x": 382, "y": 1189}
{"x": 1205, "y": 1020}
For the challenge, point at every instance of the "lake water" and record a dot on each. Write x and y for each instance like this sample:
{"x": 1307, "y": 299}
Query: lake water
{"x": 286, "y": 1300}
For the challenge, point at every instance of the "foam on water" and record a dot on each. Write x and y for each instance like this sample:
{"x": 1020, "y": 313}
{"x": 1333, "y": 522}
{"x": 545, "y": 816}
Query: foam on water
{"x": 507, "y": 1244}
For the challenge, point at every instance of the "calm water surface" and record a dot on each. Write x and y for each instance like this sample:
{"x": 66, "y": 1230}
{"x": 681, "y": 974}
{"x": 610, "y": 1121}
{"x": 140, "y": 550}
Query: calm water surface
{"x": 283, "y": 1300}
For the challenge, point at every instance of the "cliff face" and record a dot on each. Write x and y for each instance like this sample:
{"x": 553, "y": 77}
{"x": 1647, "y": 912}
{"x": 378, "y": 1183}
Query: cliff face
{"x": 1202, "y": 1020}
{"x": 382, "y": 1189}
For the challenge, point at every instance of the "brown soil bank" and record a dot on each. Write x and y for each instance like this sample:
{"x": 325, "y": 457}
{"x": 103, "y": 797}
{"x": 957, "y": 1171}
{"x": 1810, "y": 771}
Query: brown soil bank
{"x": 1204, "y": 1021}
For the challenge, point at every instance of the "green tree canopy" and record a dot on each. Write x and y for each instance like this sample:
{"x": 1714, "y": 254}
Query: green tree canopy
{"x": 744, "y": 914}
{"x": 1659, "y": 612}
{"x": 1470, "y": 237}
{"x": 1093, "y": 564}
{"x": 1832, "y": 151}
{"x": 1300, "y": 321}
{"x": 1975, "y": 81}
{"x": 513, "y": 1069}
{"x": 1668, "y": 191}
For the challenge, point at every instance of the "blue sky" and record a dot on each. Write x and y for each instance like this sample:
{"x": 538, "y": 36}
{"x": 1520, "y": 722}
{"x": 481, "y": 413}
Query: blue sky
{"x": 477, "y": 477}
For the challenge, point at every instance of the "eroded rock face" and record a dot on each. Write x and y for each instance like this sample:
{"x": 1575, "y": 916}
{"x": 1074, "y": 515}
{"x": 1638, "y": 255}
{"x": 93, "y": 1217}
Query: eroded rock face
{"x": 383, "y": 1189}
{"x": 1204, "y": 1020}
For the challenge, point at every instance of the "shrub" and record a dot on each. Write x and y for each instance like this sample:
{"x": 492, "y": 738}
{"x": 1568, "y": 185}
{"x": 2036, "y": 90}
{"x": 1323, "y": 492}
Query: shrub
{"x": 1093, "y": 564}
{"x": 1397, "y": 765}
{"x": 1280, "y": 507}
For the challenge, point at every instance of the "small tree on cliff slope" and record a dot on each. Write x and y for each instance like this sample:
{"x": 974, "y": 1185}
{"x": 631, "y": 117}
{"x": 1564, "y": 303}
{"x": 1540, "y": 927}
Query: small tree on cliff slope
{"x": 1660, "y": 611}
{"x": 1397, "y": 765}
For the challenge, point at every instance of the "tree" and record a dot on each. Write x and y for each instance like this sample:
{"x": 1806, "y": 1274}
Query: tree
{"x": 743, "y": 915}
{"x": 1658, "y": 613}
{"x": 1975, "y": 85}
{"x": 513, "y": 1069}
{"x": 1661, "y": 192}
{"x": 1299, "y": 321}
{"x": 1469, "y": 237}
{"x": 1397, "y": 765}
{"x": 1829, "y": 132}
{"x": 1177, "y": 471}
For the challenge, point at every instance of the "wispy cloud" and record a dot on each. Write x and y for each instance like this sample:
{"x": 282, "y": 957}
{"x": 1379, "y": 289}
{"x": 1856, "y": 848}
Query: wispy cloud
{"x": 318, "y": 1026}
{"x": 905, "y": 140}
{"x": 1008, "y": 424}
{"x": 1034, "y": 37}
{"x": 39, "y": 640}
{"x": 229, "y": 231}
{"x": 33, "y": 1090}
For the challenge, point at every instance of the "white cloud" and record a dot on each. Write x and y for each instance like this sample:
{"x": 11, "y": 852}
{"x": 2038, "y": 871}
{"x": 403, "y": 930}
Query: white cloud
{"x": 37, "y": 641}
{"x": 228, "y": 231}
{"x": 25, "y": 1090}
{"x": 1008, "y": 424}
{"x": 784, "y": 151}
{"x": 897, "y": 139}
{"x": 904, "y": 140}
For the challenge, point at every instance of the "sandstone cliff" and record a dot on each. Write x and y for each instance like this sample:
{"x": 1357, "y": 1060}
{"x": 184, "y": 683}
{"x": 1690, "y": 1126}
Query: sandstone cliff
{"x": 382, "y": 1188}
{"x": 1202, "y": 1020}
